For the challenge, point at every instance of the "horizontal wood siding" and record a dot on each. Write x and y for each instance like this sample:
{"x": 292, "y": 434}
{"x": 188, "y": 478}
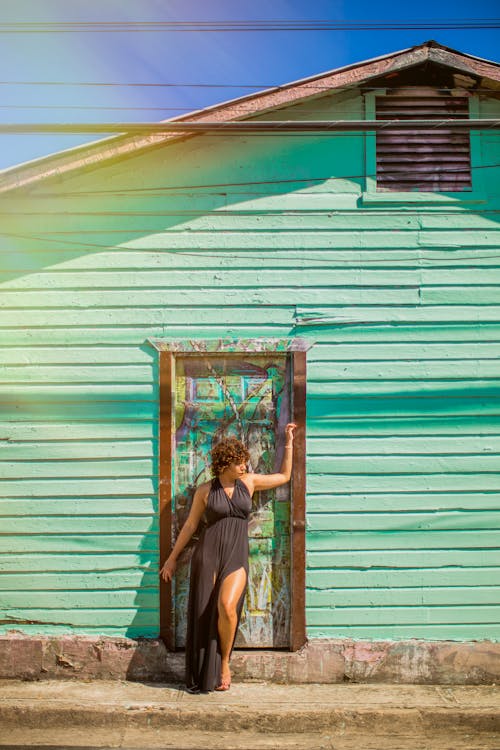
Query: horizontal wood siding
{"x": 403, "y": 430}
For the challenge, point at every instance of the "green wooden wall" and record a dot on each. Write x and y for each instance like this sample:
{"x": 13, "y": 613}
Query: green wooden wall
{"x": 231, "y": 236}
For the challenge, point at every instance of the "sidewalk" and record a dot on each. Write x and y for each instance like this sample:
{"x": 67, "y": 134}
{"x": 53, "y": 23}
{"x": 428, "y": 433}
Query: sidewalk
{"x": 250, "y": 715}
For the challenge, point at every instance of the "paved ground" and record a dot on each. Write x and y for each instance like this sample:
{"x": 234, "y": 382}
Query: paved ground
{"x": 74, "y": 714}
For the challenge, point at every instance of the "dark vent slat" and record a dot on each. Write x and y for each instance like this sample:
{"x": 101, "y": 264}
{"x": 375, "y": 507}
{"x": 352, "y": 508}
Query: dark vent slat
{"x": 436, "y": 102}
{"x": 423, "y": 133}
{"x": 423, "y": 171}
{"x": 441, "y": 103}
{"x": 424, "y": 114}
{"x": 431, "y": 158}
{"x": 422, "y": 180}
{"x": 426, "y": 187}
{"x": 442, "y": 187}
{"x": 427, "y": 146}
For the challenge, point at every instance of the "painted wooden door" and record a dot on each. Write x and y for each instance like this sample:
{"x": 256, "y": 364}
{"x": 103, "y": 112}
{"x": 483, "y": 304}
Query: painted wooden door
{"x": 247, "y": 397}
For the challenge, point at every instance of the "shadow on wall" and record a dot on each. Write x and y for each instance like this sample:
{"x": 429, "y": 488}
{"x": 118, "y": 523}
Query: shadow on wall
{"x": 137, "y": 203}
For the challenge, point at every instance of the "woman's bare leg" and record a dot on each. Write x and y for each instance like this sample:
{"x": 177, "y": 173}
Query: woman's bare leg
{"x": 229, "y": 595}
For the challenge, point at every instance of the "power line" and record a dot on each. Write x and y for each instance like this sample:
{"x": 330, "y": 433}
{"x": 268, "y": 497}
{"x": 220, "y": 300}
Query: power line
{"x": 99, "y": 106}
{"x": 154, "y": 85}
{"x": 233, "y": 26}
{"x": 395, "y": 113}
{"x": 303, "y": 85}
{"x": 247, "y": 183}
{"x": 275, "y": 127}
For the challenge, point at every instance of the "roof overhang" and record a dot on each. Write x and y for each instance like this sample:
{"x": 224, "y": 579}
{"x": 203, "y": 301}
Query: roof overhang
{"x": 116, "y": 148}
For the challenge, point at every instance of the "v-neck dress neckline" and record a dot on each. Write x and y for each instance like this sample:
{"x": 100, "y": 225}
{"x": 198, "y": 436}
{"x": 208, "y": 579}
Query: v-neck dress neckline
{"x": 224, "y": 491}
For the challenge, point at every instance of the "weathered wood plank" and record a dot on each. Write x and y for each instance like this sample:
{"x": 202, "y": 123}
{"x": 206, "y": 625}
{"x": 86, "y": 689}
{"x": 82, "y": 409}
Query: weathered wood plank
{"x": 400, "y": 597}
{"x": 69, "y": 355}
{"x": 453, "y": 295}
{"x": 74, "y": 601}
{"x": 314, "y": 321}
{"x": 88, "y": 618}
{"x": 143, "y": 318}
{"x": 413, "y": 445}
{"x": 82, "y": 563}
{"x": 79, "y": 524}
{"x": 422, "y": 424}
{"x": 318, "y": 580}
{"x": 55, "y": 628}
{"x": 466, "y": 632}
{"x": 412, "y": 502}
{"x": 32, "y": 407}
{"x": 409, "y": 371}
{"x": 33, "y": 375}
{"x": 138, "y": 335}
{"x": 392, "y": 352}
{"x": 389, "y": 400}
{"x": 243, "y": 296}
{"x": 261, "y": 278}
{"x": 405, "y": 464}
{"x": 68, "y": 432}
{"x": 395, "y": 521}
{"x": 360, "y": 332}
{"x": 406, "y": 559}
{"x": 34, "y": 259}
{"x": 79, "y": 543}
{"x": 74, "y": 449}
{"x": 404, "y": 541}
{"x": 51, "y": 488}
{"x": 110, "y": 507}
{"x": 434, "y": 615}
{"x": 48, "y": 469}
{"x": 358, "y": 484}
{"x": 61, "y": 325}
{"x": 126, "y": 580}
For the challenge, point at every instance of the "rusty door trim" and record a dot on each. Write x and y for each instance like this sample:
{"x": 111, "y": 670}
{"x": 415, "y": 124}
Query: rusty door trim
{"x": 166, "y": 436}
{"x": 298, "y": 525}
{"x": 297, "y": 350}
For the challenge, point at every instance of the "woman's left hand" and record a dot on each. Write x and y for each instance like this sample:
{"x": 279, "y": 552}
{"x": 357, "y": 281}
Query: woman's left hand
{"x": 289, "y": 431}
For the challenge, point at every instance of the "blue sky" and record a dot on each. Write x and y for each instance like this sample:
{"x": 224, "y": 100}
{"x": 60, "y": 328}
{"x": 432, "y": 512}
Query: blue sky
{"x": 226, "y": 59}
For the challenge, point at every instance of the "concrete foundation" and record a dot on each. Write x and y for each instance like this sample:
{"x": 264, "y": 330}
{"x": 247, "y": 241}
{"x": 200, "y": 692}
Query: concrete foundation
{"x": 318, "y": 661}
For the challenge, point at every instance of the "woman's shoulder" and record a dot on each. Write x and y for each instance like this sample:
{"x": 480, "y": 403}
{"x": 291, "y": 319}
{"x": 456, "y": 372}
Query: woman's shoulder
{"x": 204, "y": 488}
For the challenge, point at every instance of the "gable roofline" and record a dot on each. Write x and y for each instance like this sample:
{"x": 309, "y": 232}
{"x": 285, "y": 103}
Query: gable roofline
{"x": 107, "y": 150}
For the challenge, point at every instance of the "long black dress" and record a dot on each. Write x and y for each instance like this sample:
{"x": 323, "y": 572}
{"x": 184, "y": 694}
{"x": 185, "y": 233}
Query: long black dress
{"x": 221, "y": 549}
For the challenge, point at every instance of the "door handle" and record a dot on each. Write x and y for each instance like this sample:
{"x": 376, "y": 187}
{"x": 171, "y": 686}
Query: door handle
{"x": 299, "y": 524}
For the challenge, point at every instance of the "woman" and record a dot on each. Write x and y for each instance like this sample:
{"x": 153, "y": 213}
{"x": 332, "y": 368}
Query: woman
{"x": 219, "y": 565}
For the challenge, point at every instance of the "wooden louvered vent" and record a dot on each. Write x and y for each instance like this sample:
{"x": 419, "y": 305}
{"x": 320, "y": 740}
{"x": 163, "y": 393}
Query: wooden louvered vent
{"x": 430, "y": 160}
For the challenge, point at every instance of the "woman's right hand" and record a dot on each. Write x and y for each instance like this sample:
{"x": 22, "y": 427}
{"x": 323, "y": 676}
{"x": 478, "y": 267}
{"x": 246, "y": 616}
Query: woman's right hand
{"x": 168, "y": 569}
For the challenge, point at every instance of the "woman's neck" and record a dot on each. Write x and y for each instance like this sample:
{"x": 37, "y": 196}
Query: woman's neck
{"x": 227, "y": 481}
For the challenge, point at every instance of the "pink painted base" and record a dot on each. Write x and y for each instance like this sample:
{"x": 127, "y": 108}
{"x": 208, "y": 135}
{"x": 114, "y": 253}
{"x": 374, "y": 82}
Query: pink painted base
{"x": 319, "y": 661}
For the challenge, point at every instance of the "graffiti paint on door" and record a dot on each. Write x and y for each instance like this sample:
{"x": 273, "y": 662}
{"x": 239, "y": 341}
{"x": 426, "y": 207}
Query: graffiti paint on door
{"x": 248, "y": 397}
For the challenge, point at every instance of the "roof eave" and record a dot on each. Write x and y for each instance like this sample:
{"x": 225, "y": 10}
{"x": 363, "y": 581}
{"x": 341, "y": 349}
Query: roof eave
{"x": 107, "y": 150}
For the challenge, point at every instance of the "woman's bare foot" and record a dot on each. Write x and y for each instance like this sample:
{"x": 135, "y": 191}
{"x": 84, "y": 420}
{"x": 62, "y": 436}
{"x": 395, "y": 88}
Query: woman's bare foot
{"x": 225, "y": 682}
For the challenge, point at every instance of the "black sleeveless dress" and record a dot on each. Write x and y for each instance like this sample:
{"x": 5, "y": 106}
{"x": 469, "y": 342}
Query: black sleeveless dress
{"x": 221, "y": 549}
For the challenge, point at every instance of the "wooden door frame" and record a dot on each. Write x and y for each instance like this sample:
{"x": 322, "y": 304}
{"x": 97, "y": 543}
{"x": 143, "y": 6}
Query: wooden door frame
{"x": 296, "y": 348}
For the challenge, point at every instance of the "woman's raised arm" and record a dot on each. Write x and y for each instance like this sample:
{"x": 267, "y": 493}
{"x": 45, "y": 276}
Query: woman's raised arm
{"x": 268, "y": 481}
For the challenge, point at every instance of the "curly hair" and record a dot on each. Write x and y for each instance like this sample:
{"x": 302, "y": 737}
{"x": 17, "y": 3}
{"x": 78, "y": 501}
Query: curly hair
{"x": 227, "y": 451}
